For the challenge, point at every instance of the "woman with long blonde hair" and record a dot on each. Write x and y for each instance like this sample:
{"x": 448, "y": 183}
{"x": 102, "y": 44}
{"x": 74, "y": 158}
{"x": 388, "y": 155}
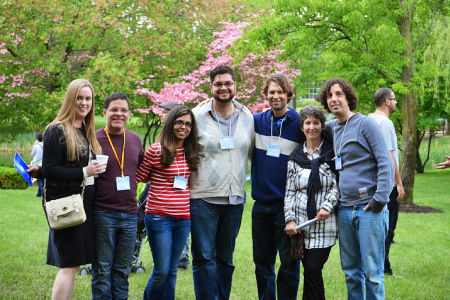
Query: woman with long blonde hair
{"x": 69, "y": 147}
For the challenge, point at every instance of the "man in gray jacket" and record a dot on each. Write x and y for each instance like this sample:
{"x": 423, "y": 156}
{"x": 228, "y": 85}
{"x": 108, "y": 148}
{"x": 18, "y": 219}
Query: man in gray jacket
{"x": 366, "y": 174}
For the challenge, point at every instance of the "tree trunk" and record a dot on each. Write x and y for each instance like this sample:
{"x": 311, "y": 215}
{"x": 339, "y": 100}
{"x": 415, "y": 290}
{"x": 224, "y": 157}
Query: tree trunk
{"x": 410, "y": 110}
{"x": 447, "y": 127}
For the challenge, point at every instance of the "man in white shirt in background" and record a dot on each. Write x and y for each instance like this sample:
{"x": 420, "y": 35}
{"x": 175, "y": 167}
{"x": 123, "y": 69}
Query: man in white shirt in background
{"x": 385, "y": 102}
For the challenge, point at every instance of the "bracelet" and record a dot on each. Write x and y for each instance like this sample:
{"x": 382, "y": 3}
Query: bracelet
{"x": 85, "y": 175}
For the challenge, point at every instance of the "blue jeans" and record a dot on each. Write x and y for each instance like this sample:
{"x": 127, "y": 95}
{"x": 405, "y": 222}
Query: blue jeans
{"x": 167, "y": 237}
{"x": 269, "y": 238}
{"x": 114, "y": 242}
{"x": 214, "y": 230}
{"x": 361, "y": 244}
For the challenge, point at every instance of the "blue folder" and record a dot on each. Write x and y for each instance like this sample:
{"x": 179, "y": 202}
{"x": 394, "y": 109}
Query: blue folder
{"x": 22, "y": 167}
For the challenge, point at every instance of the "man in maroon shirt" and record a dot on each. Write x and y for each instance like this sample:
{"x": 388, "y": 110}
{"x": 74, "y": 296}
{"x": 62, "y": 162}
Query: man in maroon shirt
{"x": 115, "y": 208}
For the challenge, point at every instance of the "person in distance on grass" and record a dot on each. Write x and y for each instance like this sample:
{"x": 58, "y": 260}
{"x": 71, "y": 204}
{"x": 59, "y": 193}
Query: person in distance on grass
{"x": 226, "y": 131}
{"x": 115, "y": 209}
{"x": 36, "y": 152}
{"x": 385, "y": 102}
{"x": 277, "y": 134}
{"x": 366, "y": 173}
{"x": 165, "y": 109}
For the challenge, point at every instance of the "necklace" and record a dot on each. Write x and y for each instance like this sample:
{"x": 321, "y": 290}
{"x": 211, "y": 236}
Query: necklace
{"x": 381, "y": 112}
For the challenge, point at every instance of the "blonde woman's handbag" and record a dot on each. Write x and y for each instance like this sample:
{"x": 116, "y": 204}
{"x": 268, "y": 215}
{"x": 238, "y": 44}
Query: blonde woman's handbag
{"x": 65, "y": 212}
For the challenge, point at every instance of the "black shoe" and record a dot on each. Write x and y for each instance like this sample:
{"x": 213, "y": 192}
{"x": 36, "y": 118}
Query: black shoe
{"x": 389, "y": 272}
{"x": 182, "y": 268}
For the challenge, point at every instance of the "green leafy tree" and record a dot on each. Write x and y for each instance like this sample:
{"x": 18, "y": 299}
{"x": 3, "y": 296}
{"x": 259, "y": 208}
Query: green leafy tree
{"x": 114, "y": 44}
{"x": 362, "y": 38}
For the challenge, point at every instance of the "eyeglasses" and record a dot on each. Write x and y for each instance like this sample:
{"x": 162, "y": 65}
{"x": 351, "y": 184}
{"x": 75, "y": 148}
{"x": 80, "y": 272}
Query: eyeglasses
{"x": 219, "y": 84}
{"x": 115, "y": 110}
{"x": 179, "y": 123}
{"x": 395, "y": 99}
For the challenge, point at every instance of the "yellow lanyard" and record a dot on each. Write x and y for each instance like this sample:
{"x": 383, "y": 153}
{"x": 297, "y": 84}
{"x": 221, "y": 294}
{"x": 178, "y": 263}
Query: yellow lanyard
{"x": 114, "y": 150}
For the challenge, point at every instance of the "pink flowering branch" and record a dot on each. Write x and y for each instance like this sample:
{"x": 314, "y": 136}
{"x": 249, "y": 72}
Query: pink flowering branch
{"x": 251, "y": 73}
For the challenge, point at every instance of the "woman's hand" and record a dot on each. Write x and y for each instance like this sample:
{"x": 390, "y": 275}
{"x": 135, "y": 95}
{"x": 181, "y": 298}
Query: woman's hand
{"x": 95, "y": 168}
{"x": 203, "y": 103}
{"x": 323, "y": 215}
{"x": 290, "y": 228}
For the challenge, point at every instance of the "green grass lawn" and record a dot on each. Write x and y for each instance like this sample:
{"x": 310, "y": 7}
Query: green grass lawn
{"x": 421, "y": 253}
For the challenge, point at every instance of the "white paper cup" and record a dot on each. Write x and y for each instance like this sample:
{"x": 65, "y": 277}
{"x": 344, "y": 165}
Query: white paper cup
{"x": 103, "y": 159}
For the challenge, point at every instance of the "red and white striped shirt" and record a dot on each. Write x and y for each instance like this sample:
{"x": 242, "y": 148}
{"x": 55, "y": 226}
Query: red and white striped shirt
{"x": 164, "y": 199}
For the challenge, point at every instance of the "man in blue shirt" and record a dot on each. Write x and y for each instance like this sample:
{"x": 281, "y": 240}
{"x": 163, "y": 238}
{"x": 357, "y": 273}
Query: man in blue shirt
{"x": 277, "y": 134}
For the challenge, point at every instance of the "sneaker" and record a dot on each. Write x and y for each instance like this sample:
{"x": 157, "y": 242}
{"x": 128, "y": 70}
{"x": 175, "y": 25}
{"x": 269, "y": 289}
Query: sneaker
{"x": 182, "y": 268}
{"x": 389, "y": 272}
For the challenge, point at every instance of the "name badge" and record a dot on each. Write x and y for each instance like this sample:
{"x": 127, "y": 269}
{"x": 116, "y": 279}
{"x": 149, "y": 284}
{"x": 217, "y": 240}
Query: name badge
{"x": 227, "y": 143}
{"x": 180, "y": 182}
{"x": 123, "y": 183}
{"x": 338, "y": 163}
{"x": 273, "y": 151}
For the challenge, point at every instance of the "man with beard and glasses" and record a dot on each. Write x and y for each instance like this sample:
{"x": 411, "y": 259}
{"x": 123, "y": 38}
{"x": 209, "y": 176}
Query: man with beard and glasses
{"x": 386, "y": 102}
{"x": 226, "y": 132}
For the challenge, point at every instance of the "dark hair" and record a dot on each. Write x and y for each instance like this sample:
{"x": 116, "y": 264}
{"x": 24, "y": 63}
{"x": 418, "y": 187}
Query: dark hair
{"x": 116, "y": 96}
{"x": 221, "y": 70}
{"x": 346, "y": 86}
{"x": 312, "y": 111}
{"x": 39, "y": 136}
{"x": 167, "y": 139}
{"x": 283, "y": 82}
{"x": 381, "y": 95}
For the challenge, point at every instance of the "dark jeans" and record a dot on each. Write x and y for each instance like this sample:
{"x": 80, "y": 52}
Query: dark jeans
{"x": 40, "y": 190}
{"x": 184, "y": 259}
{"x": 393, "y": 207}
{"x": 313, "y": 263}
{"x": 269, "y": 238}
{"x": 214, "y": 229}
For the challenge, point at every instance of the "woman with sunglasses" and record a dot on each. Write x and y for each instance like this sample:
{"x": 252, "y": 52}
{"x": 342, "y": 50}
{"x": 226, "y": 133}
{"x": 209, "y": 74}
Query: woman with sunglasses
{"x": 168, "y": 164}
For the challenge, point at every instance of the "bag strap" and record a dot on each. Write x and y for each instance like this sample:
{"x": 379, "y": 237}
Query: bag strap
{"x": 45, "y": 189}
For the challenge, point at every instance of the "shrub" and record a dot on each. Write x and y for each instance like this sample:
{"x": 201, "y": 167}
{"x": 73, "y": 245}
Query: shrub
{"x": 10, "y": 178}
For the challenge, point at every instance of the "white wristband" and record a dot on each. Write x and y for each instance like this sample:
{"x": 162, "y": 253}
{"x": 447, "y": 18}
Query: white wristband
{"x": 85, "y": 175}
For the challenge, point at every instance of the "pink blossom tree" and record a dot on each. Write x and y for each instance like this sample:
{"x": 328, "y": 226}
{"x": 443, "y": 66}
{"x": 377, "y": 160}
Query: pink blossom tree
{"x": 250, "y": 74}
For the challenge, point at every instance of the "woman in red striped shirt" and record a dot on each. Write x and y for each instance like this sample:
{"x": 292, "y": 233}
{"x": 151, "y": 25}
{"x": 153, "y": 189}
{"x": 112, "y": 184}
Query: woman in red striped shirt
{"x": 167, "y": 165}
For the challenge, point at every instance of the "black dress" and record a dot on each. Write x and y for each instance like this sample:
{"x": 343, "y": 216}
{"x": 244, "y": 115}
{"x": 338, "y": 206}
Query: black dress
{"x": 73, "y": 246}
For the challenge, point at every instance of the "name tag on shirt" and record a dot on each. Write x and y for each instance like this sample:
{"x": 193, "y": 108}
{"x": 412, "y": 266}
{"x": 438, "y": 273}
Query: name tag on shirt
{"x": 227, "y": 143}
{"x": 273, "y": 151}
{"x": 338, "y": 163}
{"x": 123, "y": 183}
{"x": 180, "y": 182}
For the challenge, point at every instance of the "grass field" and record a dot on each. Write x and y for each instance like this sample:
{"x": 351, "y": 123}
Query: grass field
{"x": 420, "y": 254}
